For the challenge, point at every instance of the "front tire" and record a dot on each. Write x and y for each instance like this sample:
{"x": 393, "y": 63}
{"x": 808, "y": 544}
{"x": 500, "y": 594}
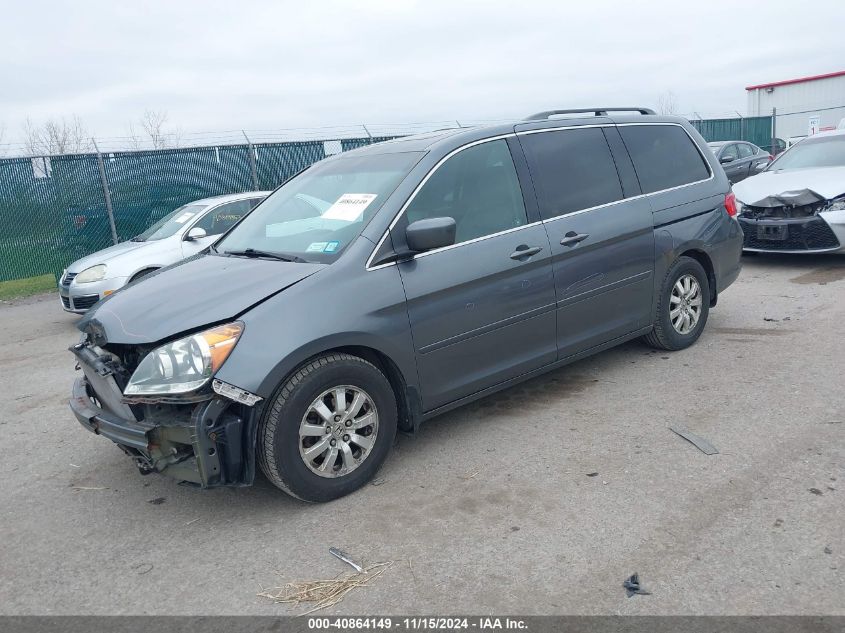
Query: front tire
{"x": 683, "y": 306}
{"x": 328, "y": 428}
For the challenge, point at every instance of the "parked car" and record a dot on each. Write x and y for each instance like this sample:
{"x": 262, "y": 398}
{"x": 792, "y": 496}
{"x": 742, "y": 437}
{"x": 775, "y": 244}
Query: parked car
{"x": 386, "y": 285}
{"x": 797, "y": 204}
{"x": 777, "y": 147}
{"x": 179, "y": 234}
{"x": 739, "y": 159}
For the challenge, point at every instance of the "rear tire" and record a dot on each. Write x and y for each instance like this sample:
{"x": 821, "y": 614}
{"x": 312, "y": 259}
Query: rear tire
{"x": 682, "y": 308}
{"x": 317, "y": 450}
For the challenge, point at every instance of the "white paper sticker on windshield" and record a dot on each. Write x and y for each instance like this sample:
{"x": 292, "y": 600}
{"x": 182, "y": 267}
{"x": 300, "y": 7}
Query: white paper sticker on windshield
{"x": 316, "y": 247}
{"x": 184, "y": 218}
{"x": 349, "y": 207}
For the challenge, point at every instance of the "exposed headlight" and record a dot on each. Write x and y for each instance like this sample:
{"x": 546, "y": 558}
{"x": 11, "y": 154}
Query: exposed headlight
{"x": 837, "y": 204}
{"x": 95, "y": 273}
{"x": 186, "y": 364}
{"x": 740, "y": 207}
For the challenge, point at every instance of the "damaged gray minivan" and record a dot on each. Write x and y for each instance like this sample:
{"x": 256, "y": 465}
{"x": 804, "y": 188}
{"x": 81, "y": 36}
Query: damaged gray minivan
{"x": 386, "y": 285}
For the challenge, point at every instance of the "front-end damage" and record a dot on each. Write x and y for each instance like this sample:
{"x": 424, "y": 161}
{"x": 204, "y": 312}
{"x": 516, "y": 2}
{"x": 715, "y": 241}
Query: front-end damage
{"x": 203, "y": 437}
{"x": 794, "y": 221}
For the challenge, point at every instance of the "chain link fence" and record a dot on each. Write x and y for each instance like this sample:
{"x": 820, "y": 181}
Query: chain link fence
{"x": 56, "y": 209}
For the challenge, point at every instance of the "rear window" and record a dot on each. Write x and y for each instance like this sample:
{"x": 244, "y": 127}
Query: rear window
{"x": 664, "y": 156}
{"x": 572, "y": 170}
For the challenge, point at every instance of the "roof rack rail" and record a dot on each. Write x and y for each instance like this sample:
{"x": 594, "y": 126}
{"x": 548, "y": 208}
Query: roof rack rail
{"x": 542, "y": 116}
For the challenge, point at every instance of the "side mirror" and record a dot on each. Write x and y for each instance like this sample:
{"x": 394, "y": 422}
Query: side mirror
{"x": 195, "y": 234}
{"x": 726, "y": 159}
{"x": 425, "y": 235}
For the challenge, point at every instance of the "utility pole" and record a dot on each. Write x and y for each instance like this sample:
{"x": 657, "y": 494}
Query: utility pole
{"x": 106, "y": 192}
{"x": 774, "y": 130}
{"x": 252, "y": 164}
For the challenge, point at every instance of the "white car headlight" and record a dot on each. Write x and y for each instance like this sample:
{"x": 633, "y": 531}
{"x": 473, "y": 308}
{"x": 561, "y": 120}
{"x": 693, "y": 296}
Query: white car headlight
{"x": 186, "y": 364}
{"x": 837, "y": 204}
{"x": 95, "y": 273}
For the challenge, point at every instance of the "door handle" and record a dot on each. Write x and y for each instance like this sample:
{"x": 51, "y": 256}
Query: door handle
{"x": 572, "y": 238}
{"x": 523, "y": 251}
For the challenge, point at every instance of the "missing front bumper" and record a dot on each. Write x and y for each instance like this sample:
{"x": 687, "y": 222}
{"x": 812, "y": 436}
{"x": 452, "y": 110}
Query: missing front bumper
{"x": 201, "y": 443}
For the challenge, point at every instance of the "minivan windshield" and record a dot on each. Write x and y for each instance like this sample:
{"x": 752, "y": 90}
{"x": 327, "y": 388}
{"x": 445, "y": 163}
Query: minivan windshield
{"x": 171, "y": 223}
{"x": 822, "y": 151}
{"x": 318, "y": 213}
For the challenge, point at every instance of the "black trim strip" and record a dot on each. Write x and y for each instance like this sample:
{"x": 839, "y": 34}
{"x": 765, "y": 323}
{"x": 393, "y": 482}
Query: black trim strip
{"x": 458, "y": 338}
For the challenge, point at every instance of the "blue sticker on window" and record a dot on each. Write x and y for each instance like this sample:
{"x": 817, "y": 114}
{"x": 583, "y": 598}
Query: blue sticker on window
{"x": 331, "y": 247}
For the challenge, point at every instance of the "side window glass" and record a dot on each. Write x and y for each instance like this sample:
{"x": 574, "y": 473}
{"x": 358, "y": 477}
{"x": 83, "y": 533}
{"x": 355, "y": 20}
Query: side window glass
{"x": 664, "y": 156}
{"x": 224, "y": 217}
{"x": 253, "y": 202}
{"x": 730, "y": 152}
{"x": 572, "y": 170}
{"x": 745, "y": 150}
{"x": 478, "y": 188}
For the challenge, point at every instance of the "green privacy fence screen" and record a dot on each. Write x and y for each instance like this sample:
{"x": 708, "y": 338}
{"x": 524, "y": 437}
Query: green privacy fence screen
{"x": 757, "y": 130}
{"x": 53, "y": 209}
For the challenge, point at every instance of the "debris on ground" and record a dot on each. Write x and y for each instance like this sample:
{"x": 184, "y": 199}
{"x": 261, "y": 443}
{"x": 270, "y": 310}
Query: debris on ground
{"x": 632, "y": 586}
{"x": 324, "y": 593}
{"x": 592, "y": 474}
{"x": 827, "y": 550}
{"x": 377, "y": 481}
{"x": 77, "y": 488}
{"x": 699, "y": 442}
{"x": 345, "y": 558}
{"x": 816, "y": 492}
{"x": 157, "y": 501}
{"x": 143, "y": 568}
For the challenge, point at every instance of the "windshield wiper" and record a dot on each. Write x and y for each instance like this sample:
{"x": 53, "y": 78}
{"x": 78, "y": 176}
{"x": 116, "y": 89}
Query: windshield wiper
{"x": 251, "y": 252}
{"x": 137, "y": 238}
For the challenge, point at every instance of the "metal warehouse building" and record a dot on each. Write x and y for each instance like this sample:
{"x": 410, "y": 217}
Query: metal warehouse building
{"x": 803, "y": 106}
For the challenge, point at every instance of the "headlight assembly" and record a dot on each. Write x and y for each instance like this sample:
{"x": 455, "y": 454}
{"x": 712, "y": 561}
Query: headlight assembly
{"x": 95, "y": 273}
{"x": 186, "y": 364}
{"x": 837, "y": 204}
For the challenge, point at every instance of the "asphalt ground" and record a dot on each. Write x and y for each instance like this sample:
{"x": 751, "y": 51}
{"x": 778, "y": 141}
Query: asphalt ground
{"x": 492, "y": 508}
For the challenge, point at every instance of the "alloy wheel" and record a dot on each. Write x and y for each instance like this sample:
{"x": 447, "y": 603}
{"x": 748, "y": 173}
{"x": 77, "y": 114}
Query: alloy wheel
{"x": 338, "y": 431}
{"x": 685, "y": 304}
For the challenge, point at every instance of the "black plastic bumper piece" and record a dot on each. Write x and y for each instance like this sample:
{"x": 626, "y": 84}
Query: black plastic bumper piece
{"x": 124, "y": 432}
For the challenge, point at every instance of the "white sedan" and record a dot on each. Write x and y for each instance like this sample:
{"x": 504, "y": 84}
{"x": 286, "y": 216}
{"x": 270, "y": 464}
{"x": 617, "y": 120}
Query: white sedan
{"x": 178, "y": 235}
{"x": 797, "y": 203}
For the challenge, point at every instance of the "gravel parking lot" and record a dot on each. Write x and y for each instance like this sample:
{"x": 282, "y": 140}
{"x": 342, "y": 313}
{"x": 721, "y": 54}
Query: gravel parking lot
{"x": 491, "y": 507}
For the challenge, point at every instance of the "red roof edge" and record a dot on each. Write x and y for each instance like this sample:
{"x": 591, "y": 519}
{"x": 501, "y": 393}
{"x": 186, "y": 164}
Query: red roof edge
{"x": 797, "y": 81}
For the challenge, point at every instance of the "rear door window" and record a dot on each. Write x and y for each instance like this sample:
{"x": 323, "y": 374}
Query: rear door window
{"x": 572, "y": 170}
{"x": 664, "y": 156}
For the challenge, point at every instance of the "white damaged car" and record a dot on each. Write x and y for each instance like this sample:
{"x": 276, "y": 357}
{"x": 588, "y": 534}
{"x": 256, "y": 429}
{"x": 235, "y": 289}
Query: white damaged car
{"x": 797, "y": 203}
{"x": 179, "y": 234}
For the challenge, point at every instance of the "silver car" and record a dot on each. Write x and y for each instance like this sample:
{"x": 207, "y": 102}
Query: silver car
{"x": 178, "y": 235}
{"x": 797, "y": 204}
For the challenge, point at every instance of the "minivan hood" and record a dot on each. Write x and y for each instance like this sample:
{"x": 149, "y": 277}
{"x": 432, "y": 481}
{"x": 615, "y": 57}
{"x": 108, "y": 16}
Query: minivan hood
{"x": 103, "y": 256}
{"x": 197, "y": 291}
{"x": 828, "y": 182}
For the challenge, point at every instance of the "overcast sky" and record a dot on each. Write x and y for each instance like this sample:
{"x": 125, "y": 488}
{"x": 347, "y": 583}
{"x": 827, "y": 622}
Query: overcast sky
{"x": 270, "y": 65}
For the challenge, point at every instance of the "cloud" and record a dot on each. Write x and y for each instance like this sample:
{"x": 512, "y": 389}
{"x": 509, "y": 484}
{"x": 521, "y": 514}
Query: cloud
{"x": 268, "y": 65}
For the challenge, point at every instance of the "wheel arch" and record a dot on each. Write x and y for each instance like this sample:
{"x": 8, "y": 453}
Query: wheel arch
{"x": 146, "y": 270}
{"x": 407, "y": 395}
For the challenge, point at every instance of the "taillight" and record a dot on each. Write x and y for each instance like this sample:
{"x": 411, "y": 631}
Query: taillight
{"x": 730, "y": 204}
